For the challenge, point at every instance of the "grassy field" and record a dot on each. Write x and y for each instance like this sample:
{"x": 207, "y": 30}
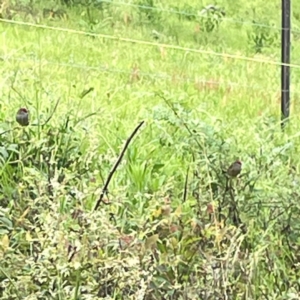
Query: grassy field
{"x": 172, "y": 226}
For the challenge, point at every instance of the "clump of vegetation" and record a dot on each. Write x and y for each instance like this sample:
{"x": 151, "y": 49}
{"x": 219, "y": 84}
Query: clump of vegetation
{"x": 210, "y": 18}
{"x": 263, "y": 36}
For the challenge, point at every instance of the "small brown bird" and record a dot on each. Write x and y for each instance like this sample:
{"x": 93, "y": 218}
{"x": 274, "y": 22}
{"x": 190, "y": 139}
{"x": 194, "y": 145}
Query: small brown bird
{"x": 22, "y": 117}
{"x": 234, "y": 169}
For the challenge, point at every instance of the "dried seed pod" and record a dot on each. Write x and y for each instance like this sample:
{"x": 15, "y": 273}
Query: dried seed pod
{"x": 22, "y": 117}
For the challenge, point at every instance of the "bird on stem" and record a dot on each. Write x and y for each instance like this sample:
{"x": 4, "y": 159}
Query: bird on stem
{"x": 22, "y": 117}
{"x": 234, "y": 169}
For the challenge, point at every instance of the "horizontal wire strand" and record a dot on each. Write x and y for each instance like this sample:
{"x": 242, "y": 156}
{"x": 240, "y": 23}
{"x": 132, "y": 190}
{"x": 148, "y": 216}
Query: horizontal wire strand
{"x": 166, "y": 76}
{"x": 184, "y": 13}
{"x": 148, "y": 43}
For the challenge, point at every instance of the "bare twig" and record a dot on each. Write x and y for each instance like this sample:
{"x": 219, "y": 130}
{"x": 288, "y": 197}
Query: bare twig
{"x": 177, "y": 115}
{"x": 186, "y": 185}
{"x": 16, "y": 91}
{"x": 6, "y": 131}
{"x": 51, "y": 115}
{"x": 188, "y": 129}
{"x": 12, "y": 84}
{"x": 87, "y": 116}
{"x": 115, "y": 166}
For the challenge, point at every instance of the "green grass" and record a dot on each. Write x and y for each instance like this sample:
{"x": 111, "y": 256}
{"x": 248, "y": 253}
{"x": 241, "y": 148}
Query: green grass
{"x": 169, "y": 228}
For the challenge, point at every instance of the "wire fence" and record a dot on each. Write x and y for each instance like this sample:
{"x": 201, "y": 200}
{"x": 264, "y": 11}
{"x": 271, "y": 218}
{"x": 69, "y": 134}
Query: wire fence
{"x": 150, "y": 75}
{"x": 153, "y": 44}
{"x": 201, "y": 82}
{"x": 196, "y": 15}
{"x": 164, "y": 76}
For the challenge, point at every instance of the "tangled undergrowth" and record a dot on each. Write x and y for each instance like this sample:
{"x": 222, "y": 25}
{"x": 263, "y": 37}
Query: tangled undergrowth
{"x": 194, "y": 234}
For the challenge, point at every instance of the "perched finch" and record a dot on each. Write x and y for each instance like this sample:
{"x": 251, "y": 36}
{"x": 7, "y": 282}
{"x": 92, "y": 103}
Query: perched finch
{"x": 22, "y": 117}
{"x": 234, "y": 169}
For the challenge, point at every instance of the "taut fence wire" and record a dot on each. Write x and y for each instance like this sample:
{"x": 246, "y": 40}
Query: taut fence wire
{"x": 188, "y": 14}
{"x": 128, "y": 72}
{"x": 153, "y": 44}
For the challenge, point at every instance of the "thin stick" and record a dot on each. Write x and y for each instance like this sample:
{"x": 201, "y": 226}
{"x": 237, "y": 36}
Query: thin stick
{"x": 51, "y": 115}
{"x": 187, "y": 128}
{"x": 115, "y": 166}
{"x": 186, "y": 185}
{"x": 177, "y": 115}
